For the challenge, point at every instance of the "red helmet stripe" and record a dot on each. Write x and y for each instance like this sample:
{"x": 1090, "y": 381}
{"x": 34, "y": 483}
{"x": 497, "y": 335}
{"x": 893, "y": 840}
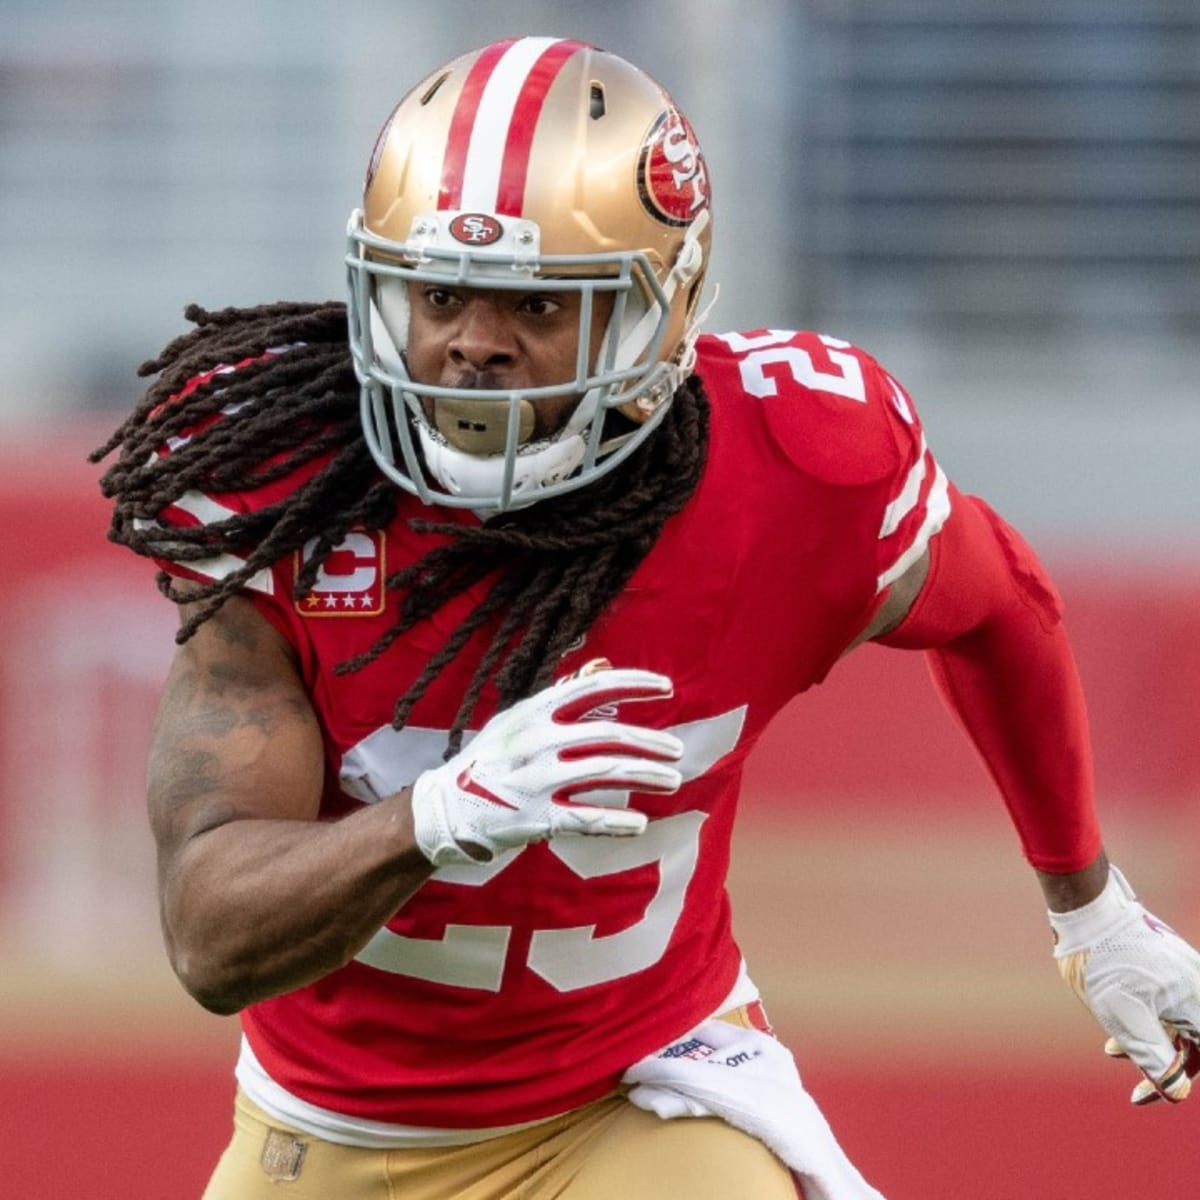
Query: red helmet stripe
{"x": 510, "y": 195}
{"x": 486, "y": 162}
{"x": 458, "y": 143}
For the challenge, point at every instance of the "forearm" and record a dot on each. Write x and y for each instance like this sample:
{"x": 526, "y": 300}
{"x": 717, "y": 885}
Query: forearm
{"x": 991, "y": 624}
{"x": 1013, "y": 687}
{"x": 258, "y": 894}
{"x": 257, "y": 907}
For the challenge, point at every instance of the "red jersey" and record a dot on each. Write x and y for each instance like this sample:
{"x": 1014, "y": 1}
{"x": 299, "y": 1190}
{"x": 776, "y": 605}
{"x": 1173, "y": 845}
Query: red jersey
{"x": 511, "y": 991}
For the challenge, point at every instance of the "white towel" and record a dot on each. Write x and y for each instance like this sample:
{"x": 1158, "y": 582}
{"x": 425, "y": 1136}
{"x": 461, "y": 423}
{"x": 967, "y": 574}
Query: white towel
{"x": 750, "y": 1080}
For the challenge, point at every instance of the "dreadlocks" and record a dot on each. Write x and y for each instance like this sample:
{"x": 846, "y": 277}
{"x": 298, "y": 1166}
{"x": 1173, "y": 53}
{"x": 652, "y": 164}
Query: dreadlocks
{"x": 555, "y": 566}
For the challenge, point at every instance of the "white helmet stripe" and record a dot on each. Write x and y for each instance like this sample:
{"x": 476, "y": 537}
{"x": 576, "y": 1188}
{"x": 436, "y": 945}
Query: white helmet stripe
{"x": 492, "y": 130}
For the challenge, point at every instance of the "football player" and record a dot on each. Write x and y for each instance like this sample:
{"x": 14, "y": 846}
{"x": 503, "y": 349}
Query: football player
{"x": 489, "y": 580}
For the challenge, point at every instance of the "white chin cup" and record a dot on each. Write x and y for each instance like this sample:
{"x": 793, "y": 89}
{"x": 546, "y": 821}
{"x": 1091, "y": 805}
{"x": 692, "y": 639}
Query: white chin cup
{"x": 470, "y": 475}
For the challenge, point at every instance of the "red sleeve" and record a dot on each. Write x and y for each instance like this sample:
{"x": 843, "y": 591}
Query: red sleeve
{"x": 991, "y": 623}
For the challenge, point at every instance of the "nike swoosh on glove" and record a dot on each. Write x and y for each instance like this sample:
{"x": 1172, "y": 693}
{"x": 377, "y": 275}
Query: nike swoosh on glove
{"x": 1141, "y": 981}
{"x": 750, "y": 1080}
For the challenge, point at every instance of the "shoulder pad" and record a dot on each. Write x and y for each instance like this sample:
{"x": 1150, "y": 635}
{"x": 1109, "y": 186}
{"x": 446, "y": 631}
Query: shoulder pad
{"x": 829, "y": 406}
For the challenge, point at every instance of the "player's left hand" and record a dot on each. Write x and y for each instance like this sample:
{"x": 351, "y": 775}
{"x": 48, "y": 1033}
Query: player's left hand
{"x": 1187, "y": 1049}
{"x": 1141, "y": 981}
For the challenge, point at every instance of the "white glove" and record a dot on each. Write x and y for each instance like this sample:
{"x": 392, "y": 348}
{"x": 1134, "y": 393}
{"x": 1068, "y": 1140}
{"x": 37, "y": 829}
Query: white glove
{"x": 519, "y": 779}
{"x": 1141, "y": 982}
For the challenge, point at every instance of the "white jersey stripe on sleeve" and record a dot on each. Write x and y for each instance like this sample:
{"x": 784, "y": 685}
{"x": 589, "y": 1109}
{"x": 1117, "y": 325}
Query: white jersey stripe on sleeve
{"x": 220, "y": 566}
{"x": 909, "y": 494}
{"x": 937, "y": 509}
{"x": 204, "y": 508}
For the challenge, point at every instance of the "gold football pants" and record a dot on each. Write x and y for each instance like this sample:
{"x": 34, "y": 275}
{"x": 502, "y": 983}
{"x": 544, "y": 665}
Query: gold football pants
{"x": 607, "y": 1150}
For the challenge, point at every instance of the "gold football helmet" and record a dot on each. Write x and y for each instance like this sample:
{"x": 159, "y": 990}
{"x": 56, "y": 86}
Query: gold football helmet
{"x": 534, "y": 163}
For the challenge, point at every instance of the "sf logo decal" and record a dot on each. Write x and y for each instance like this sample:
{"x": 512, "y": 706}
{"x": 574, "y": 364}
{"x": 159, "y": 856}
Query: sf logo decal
{"x": 672, "y": 175}
{"x": 475, "y": 229}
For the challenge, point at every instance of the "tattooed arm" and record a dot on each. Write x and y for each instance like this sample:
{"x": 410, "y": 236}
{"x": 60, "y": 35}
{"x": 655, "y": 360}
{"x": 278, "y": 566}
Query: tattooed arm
{"x": 257, "y": 896}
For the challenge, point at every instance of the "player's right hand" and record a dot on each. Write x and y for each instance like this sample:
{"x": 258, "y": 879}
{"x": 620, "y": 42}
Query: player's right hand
{"x": 544, "y": 767}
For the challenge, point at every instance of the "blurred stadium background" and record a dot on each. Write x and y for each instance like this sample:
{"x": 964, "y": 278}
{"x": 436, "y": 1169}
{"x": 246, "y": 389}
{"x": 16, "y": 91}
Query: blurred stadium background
{"x": 1000, "y": 198}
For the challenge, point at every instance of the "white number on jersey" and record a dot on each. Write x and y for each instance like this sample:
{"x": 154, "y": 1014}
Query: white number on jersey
{"x": 474, "y": 956}
{"x": 775, "y": 346}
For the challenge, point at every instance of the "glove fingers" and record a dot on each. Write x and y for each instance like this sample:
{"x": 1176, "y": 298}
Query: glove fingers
{"x": 1184, "y": 1019}
{"x": 1114, "y": 1049}
{"x": 604, "y": 737}
{"x": 578, "y": 694}
{"x": 610, "y": 778}
{"x": 592, "y": 821}
{"x": 582, "y": 819}
{"x": 1175, "y": 1083}
{"x": 1138, "y": 1028}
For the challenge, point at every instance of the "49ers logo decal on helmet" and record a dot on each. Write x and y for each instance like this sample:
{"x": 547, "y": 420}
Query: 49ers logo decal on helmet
{"x": 672, "y": 175}
{"x": 475, "y": 229}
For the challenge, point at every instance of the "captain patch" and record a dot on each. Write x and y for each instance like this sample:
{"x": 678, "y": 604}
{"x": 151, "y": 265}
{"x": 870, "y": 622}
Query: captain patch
{"x": 350, "y": 582}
